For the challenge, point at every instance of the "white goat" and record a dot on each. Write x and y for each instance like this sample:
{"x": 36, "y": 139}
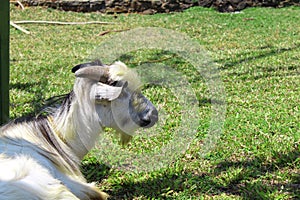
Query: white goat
{"x": 40, "y": 157}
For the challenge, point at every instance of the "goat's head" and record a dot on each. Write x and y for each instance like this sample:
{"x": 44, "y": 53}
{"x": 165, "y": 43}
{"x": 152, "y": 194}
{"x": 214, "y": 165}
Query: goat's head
{"x": 118, "y": 101}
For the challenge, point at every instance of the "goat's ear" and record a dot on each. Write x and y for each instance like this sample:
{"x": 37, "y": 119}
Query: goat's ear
{"x": 106, "y": 92}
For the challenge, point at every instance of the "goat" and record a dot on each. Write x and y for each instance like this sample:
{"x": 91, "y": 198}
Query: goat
{"x": 40, "y": 157}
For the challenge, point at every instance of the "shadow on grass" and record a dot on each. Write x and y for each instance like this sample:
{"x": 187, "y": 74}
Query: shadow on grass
{"x": 38, "y": 99}
{"x": 262, "y": 54}
{"x": 249, "y": 183}
{"x": 94, "y": 171}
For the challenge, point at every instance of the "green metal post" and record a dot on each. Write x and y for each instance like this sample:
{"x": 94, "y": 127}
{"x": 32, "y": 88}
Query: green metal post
{"x": 4, "y": 61}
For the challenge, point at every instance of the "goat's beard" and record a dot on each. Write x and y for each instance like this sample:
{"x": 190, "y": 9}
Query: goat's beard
{"x": 124, "y": 138}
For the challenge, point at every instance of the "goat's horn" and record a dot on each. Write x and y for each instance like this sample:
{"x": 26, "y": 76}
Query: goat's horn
{"x": 97, "y": 73}
{"x": 89, "y": 64}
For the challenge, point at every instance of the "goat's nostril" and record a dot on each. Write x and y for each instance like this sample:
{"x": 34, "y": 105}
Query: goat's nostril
{"x": 145, "y": 121}
{"x": 149, "y": 119}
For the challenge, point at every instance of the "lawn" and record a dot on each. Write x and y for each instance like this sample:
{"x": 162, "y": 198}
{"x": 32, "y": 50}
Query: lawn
{"x": 257, "y": 53}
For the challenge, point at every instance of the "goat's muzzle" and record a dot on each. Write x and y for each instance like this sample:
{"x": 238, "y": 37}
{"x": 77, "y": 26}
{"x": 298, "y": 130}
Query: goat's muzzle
{"x": 143, "y": 112}
{"x": 149, "y": 118}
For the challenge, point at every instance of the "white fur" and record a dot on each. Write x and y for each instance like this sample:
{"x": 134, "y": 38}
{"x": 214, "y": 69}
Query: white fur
{"x": 30, "y": 168}
{"x": 24, "y": 178}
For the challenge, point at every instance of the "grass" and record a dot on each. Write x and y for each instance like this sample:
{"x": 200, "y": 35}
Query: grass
{"x": 257, "y": 52}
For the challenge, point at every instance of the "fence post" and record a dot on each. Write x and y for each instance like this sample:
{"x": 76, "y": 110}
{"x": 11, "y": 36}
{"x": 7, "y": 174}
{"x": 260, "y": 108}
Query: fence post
{"x": 4, "y": 61}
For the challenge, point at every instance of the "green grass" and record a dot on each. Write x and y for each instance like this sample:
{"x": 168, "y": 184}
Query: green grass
{"x": 258, "y": 54}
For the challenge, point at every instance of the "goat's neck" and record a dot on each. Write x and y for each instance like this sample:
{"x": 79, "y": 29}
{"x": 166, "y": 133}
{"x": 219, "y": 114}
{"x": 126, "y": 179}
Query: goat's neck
{"x": 78, "y": 124}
